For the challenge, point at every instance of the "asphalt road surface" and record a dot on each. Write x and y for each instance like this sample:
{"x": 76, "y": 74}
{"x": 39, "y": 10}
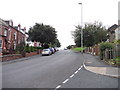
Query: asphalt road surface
{"x": 54, "y": 71}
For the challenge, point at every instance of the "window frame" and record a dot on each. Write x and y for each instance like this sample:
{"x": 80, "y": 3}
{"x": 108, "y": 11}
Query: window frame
{"x": 1, "y": 43}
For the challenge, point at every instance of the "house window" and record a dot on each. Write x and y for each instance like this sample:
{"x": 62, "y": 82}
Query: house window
{"x": 5, "y": 32}
{"x": 0, "y": 43}
{"x": 9, "y": 34}
{"x": 15, "y": 36}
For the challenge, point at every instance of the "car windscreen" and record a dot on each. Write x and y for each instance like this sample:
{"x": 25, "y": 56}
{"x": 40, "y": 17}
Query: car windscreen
{"x": 45, "y": 50}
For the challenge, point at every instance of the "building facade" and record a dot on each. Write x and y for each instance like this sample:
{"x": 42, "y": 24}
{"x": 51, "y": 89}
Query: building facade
{"x": 10, "y": 36}
{"x": 112, "y": 32}
{"x": 118, "y": 20}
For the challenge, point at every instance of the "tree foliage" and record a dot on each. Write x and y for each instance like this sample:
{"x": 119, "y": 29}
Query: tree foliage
{"x": 93, "y": 33}
{"x": 57, "y": 43}
{"x": 69, "y": 47}
{"x": 45, "y": 34}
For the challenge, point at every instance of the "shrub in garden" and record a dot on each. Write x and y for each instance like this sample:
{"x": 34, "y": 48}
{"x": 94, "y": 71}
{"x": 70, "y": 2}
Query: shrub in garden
{"x": 31, "y": 49}
{"x": 21, "y": 48}
{"x": 104, "y": 46}
{"x": 27, "y": 48}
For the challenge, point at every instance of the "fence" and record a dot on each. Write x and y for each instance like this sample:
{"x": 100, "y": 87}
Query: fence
{"x": 107, "y": 54}
{"x": 93, "y": 50}
{"x": 112, "y": 53}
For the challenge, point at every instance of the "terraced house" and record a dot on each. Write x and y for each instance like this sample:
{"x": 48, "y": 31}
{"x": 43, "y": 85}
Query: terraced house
{"x": 10, "y": 36}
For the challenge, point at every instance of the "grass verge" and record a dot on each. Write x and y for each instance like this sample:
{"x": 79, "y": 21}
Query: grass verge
{"x": 79, "y": 49}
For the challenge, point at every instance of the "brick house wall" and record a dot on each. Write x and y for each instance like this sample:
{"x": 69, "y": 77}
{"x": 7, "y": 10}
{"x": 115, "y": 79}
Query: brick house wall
{"x": 16, "y": 38}
{"x": 3, "y": 35}
{"x": 13, "y": 37}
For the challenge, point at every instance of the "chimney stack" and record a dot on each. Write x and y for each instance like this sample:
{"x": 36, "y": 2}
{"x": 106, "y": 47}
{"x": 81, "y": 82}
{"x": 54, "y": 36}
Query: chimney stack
{"x": 19, "y": 27}
{"x": 24, "y": 29}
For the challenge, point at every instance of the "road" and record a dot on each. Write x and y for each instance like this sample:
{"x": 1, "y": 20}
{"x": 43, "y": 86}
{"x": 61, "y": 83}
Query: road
{"x": 59, "y": 70}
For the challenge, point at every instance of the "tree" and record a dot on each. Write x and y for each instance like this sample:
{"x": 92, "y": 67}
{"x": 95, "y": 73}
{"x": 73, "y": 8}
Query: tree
{"x": 57, "y": 43}
{"x": 93, "y": 33}
{"x": 69, "y": 47}
{"x": 45, "y": 34}
{"x": 77, "y": 35}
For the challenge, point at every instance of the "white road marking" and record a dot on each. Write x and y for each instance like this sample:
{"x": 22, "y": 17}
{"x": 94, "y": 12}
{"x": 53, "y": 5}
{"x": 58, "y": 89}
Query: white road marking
{"x": 72, "y": 76}
{"x": 65, "y": 81}
{"x": 76, "y": 72}
{"x": 80, "y": 68}
{"x": 57, "y": 87}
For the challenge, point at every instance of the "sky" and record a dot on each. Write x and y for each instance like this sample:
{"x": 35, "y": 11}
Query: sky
{"x": 63, "y": 15}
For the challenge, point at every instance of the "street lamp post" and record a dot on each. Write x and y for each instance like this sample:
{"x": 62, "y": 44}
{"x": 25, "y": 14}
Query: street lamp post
{"x": 81, "y": 26}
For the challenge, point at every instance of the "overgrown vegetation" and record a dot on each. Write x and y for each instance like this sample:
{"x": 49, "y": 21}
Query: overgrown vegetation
{"x": 105, "y": 46}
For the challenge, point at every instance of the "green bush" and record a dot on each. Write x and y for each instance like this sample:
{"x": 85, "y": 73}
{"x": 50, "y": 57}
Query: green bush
{"x": 118, "y": 41}
{"x": 69, "y": 47}
{"x": 31, "y": 49}
{"x": 21, "y": 48}
{"x": 104, "y": 46}
{"x": 27, "y": 48}
{"x": 39, "y": 48}
{"x": 117, "y": 59}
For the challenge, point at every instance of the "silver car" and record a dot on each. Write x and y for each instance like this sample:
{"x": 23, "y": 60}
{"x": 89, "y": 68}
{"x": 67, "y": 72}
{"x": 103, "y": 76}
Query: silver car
{"x": 46, "y": 52}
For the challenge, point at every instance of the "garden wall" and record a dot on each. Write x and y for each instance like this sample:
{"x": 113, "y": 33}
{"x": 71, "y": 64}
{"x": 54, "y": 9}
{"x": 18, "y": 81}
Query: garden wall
{"x": 17, "y": 56}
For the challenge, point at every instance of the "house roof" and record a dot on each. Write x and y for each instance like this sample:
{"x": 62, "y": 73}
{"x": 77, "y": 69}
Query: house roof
{"x": 113, "y": 28}
{"x": 2, "y": 22}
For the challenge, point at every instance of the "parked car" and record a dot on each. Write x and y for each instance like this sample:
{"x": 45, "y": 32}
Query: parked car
{"x": 46, "y": 52}
{"x": 65, "y": 49}
{"x": 57, "y": 49}
{"x": 52, "y": 50}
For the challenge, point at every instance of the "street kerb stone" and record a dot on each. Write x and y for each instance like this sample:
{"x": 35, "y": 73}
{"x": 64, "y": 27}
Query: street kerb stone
{"x": 109, "y": 71}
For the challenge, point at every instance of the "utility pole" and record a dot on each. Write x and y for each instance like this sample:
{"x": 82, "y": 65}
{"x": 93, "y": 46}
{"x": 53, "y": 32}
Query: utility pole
{"x": 81, "y": 26}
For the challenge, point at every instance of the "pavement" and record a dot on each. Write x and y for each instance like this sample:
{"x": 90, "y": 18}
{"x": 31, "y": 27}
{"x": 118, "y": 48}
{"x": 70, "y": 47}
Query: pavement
{"x": 95, "y": 65}
{"x": 20, "y": 59}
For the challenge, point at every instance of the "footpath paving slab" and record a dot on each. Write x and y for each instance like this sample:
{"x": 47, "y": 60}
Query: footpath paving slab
{"x": 109, "y": 71}
{"x": 95, "y": 65}
{"x": 91, "y": 60}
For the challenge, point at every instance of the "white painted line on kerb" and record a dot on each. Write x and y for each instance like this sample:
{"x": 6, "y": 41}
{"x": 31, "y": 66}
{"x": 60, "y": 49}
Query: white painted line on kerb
{"x": 65, "y": 81}
{"x": 84, "y": 66}
{"x": 57, "y": 87}
{"x": 72, "y": 76}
